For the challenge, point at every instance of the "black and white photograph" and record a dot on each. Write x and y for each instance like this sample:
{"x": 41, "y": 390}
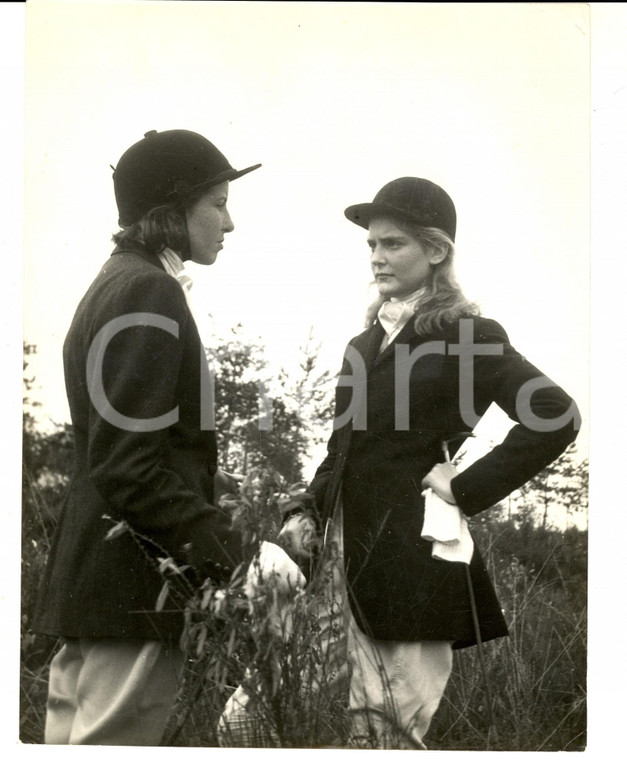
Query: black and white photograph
{"x": 306, "y": 363}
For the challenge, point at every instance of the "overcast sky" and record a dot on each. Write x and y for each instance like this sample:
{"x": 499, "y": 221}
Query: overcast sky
{"x": 491, "y": 101}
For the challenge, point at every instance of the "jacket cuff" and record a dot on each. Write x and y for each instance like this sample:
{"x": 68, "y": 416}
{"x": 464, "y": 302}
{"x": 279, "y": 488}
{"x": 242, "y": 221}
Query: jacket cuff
{"x": 302, "y": 504}
{"x": 469, "y": 501}
{"x": 291, "y": 512}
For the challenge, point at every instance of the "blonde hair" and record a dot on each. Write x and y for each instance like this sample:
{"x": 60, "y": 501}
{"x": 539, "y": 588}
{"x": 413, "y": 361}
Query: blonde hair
{"x": 443, "y": 301}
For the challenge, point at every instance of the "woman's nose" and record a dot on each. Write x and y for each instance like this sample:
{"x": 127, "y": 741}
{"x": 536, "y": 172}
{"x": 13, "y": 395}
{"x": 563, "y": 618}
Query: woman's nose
{"x": 228, "y": 225}
{"x": 376, "y": 256}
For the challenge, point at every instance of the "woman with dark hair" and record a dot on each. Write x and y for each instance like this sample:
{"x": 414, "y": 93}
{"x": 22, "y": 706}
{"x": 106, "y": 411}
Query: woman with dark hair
{"x": 139, "y": 392}
{"x": 422, "y": 374}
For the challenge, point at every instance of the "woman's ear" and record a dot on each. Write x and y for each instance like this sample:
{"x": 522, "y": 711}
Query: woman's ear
{"x": 436, "y": 255}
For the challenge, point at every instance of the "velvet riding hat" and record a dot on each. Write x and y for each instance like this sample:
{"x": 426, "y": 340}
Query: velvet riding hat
{"x": 409, "y": 199}
{"x": 168, "y": 167}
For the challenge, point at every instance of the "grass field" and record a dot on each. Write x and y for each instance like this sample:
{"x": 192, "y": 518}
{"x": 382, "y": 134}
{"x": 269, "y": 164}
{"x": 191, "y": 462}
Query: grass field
{"x": 537, "y": 675}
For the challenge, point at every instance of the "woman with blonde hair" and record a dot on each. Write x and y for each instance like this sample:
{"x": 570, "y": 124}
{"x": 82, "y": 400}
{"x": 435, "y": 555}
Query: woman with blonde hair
{"x": 422, "y": 374}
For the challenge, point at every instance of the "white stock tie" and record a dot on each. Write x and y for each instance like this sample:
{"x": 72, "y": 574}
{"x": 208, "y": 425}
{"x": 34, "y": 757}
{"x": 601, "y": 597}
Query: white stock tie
{"x": 395, "y": 314}
{"x": 174, "y": 266}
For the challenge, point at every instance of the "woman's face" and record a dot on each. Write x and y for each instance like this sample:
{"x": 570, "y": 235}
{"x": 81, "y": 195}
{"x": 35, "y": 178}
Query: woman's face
{"x": 208, "y": 221}
{"x": 400, "y": 263}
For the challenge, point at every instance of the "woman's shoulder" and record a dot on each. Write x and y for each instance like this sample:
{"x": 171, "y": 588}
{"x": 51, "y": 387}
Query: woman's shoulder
{"x": 133, "y": 261}
{"x": 478, "y": 328}
{"x": 363, "y": 334}
{"x": 129, "y": 281}
{"x": 136, "y": 269}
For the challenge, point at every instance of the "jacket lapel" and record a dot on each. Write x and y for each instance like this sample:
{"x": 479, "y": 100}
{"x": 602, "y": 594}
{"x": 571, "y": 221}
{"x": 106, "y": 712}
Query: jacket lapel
{"x": 406, "y": 335}
{"x": 374, "y": 338}
{"x": 367, "y": 343}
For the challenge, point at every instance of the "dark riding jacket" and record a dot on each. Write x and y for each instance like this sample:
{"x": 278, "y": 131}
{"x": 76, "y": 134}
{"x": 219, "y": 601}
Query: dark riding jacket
{"x": 159, "y": 480}
{"x": 406, "y": 399}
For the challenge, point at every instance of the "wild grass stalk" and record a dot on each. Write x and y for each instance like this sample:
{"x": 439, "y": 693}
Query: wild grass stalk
{"x": 537, "y": 673}
{"x": 295, "y": 680}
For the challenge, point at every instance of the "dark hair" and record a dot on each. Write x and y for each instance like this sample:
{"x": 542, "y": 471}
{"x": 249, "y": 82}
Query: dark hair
{"x": 161, "y": 227}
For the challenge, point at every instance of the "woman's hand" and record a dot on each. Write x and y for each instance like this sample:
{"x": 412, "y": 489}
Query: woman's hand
{"x": 439, "y": 480}
{"x": 225, "y": 484}
{"x": 273, "y": 566}
{"x": 298, "y": 537}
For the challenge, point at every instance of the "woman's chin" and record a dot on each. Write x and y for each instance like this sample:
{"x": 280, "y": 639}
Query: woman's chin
{"x": 206, "y": 260}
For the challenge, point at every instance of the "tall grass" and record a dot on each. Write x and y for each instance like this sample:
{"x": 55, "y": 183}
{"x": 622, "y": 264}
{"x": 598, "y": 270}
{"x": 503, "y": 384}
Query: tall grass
{"x": 278, "y": 647}
{"x": 538, "y": 673}
{"x": 299, "y": 693}
{"x": 38, "y": 522}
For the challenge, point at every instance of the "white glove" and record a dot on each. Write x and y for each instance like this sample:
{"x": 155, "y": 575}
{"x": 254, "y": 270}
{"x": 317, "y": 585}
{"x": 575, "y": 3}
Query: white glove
{"x": 272, "y": 568}
{"x": 447, "y": 528}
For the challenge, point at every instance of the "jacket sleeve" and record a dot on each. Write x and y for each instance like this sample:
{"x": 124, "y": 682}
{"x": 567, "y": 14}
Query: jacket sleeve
{"x": 328, "y": 473}
{"x": 142, "y": 370}
{"x": 312, "y": 501}
{"x": 547, "y": 422}
{"x": 319, "y": 485}
{"x": 320, "y": 482}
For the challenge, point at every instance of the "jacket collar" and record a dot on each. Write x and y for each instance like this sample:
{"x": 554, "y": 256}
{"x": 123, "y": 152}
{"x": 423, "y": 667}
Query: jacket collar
{"x": 369, "y": 342}
{"x": 131, "y": 246}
